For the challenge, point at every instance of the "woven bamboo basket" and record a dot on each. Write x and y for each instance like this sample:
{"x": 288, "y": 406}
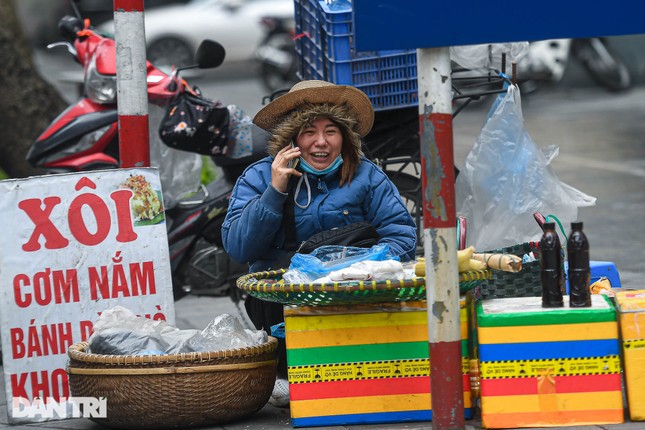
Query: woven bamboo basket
{"x": 177, "y": 390}
{"x": 270, "y": 287}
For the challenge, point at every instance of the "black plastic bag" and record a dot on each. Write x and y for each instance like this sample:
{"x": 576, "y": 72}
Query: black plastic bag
{"x": 361, "y": 234}
{"x": 195, "y": 124}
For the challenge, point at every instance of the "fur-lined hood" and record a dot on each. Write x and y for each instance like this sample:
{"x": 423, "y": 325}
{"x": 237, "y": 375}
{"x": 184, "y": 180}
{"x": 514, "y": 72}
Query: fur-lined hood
{"x": 288, "y": 128}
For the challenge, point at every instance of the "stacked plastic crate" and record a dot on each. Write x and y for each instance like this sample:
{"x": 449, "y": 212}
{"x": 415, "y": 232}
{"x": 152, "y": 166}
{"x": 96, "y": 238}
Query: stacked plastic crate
{"x": 326, "y": 50}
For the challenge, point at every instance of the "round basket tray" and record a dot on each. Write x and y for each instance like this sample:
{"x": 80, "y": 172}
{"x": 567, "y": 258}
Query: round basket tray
{"x": 269, "y": 286}
{"x": 176, "y": 390}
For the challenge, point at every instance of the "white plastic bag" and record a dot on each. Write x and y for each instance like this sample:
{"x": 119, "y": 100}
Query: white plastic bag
{"x": 506, "y": 178}
{"x": 306, "y": 268}
{"x": 366, "y": 270}
{"x": 488, "y": 56}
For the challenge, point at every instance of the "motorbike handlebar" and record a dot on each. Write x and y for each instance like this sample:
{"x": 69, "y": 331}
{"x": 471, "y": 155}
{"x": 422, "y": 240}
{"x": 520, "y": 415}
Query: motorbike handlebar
{"x": 68, "y": 26}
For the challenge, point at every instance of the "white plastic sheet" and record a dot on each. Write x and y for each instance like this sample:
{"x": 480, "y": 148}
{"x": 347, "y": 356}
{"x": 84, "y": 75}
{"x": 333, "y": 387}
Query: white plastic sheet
{"x": 488, "y": 56}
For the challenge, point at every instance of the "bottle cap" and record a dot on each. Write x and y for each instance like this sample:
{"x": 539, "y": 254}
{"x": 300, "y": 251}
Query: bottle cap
{"x": 576, "y": 225}
{"x": 548, "y": 226}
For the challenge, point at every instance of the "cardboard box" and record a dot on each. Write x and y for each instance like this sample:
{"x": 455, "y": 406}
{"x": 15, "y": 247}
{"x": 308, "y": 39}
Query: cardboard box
{"x": 363, "y": 364}
{"x": 548, "y": 367}
{"x": 631, "y": 309}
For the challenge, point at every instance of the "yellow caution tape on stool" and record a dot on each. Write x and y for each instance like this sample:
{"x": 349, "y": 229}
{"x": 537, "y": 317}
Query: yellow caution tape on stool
{"x": 363, "y": 370}
{"x": 634, "y": 344}
{"x": 557, "y": 367}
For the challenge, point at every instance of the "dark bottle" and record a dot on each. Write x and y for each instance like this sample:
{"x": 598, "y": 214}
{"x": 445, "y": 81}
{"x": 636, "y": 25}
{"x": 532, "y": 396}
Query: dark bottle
{"x": 579, "y": 271}
{"x": 551, "y": 267}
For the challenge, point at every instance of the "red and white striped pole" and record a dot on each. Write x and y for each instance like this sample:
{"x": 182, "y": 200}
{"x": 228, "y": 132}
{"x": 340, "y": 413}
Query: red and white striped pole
{"x": 132, "y": 89}
{"x": 440, "y": 237}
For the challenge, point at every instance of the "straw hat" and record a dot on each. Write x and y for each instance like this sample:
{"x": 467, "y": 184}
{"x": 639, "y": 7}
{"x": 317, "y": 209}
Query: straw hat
{"x": 318, "y": 92}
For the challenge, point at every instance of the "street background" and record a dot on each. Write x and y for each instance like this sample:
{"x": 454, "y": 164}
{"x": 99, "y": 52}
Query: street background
{"x": 601, "y": 136}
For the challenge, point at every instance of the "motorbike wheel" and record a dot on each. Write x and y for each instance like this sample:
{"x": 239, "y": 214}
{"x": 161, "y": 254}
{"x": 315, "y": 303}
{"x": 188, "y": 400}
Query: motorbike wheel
{"x": 169, "y": 51}
{"x": 278, "y": 62}
{"x": 602, "y": 63}
{"x": 409, "y": 187}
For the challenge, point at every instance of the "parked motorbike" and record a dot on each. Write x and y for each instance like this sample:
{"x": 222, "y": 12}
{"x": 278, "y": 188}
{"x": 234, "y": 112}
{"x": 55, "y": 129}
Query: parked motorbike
{"x": 277, "y": 53}
{"x": 85, "y": 137}
{"x": 548, "y": 59}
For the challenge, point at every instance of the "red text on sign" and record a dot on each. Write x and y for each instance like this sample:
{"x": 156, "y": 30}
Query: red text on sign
{"x": 89, "y": 232}
{"x": 45, "y": 287}
{"x": 37, "y": 341}
{"x": 137, "y": 279}
{"x": 41, "y": 384}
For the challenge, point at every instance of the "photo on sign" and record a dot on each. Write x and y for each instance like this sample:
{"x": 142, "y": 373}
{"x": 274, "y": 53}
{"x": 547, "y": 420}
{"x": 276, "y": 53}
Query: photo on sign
{"x": 146, "y": 204}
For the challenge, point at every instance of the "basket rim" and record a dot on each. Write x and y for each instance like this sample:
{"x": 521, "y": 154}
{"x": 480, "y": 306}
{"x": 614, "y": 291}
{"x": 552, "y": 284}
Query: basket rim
{"x": 254, "y": 282}
{"x": 77, "y": 352}
{"x": 155, "y": 370}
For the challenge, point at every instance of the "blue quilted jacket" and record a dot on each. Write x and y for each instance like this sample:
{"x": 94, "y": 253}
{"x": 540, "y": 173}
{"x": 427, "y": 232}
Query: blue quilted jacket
{"x": 253, "y": 230}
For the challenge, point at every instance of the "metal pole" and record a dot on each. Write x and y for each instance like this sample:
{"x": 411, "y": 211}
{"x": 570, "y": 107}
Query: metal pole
{"x": 132, "y": 88}
{"x": 440, "y": 237}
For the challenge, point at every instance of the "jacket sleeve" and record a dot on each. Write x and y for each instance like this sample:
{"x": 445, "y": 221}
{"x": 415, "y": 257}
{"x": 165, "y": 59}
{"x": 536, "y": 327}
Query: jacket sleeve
{"x": 254, "y": 216}
{"x": 387, "y": 212}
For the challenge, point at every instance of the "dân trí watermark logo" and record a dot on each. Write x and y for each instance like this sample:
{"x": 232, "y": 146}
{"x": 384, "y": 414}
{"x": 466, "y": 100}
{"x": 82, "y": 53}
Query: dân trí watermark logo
{"x": 60, "y": 408}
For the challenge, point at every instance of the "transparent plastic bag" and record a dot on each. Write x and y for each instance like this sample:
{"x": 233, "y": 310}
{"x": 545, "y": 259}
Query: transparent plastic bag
{"x": 506, "y": 178}
{"x": 226, "y": 332}
{"x": 306, "y": 268}
{"x": 180, "y": 172}
{"x": 119, "y": 331}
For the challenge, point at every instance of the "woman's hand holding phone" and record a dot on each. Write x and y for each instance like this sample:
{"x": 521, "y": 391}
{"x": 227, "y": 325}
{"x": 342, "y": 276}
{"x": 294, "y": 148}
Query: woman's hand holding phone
{"x": 283, "y": 166}
{"x": 294, "y": 161}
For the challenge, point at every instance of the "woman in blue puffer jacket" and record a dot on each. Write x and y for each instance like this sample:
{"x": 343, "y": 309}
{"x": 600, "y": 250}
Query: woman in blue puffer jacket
{"x": 315, "y": 158}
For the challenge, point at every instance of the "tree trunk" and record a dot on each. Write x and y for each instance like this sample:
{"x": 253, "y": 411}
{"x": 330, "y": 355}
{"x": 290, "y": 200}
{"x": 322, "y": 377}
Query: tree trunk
{"x": 27, "y": 103}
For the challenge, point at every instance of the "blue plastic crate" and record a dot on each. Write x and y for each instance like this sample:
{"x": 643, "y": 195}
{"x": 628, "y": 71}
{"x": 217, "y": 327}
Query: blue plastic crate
{"x": 306, "y": 14}
{"x": 325, "y": 49}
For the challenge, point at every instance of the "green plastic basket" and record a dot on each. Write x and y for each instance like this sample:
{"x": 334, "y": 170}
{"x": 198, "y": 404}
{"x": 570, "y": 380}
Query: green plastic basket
{"x": 269, "y": 286}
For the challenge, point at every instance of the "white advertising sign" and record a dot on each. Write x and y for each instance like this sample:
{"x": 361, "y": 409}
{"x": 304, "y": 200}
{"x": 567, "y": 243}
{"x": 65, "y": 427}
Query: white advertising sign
{"x": 72, "y": 246}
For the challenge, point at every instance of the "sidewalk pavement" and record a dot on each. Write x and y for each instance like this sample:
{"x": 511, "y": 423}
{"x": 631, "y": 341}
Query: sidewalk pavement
{"x": 197, "y": 312}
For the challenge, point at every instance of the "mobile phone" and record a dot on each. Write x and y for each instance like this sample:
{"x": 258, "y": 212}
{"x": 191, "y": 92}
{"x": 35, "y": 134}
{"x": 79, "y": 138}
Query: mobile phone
{"x": 293, "y": 163}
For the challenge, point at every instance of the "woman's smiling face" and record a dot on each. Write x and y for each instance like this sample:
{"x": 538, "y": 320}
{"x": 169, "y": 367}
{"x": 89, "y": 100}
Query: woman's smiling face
{"x": 320, "y": 143}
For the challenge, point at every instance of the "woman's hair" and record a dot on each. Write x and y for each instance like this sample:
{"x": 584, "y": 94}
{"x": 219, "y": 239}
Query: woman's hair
{"x": 295, "y": 121}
